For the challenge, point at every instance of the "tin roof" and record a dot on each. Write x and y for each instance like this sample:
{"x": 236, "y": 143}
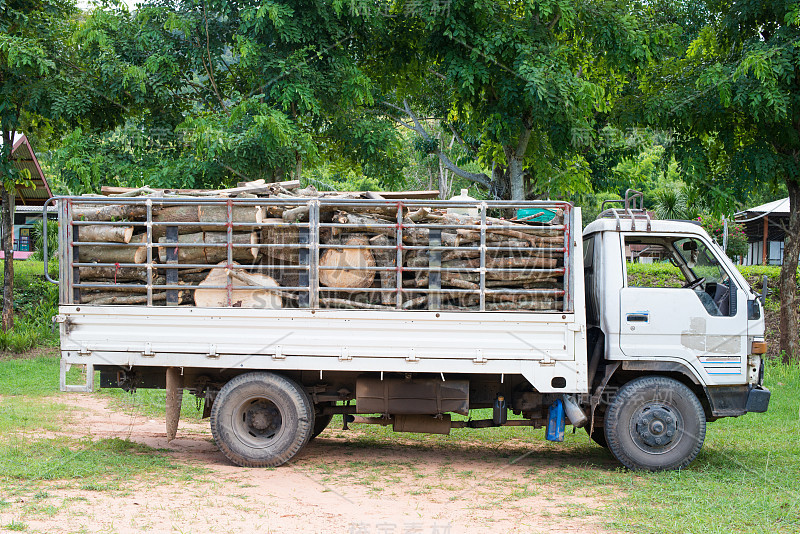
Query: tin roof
{"x": 778, "y": 207}
{"x": 23, "y": 157}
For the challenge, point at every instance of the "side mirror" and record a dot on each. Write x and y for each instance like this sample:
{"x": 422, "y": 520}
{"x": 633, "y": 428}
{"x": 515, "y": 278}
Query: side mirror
{"x": 689, "y": 245}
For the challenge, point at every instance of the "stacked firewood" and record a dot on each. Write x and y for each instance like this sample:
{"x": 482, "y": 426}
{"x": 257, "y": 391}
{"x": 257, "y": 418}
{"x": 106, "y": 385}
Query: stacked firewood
{"x": 362, "y": 250}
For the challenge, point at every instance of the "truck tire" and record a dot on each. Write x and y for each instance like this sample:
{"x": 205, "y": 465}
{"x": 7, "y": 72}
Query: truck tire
{"x": 655, "y": 423}
{"x": 598, "y": 435}
{"x": 261, "y": 419}
{"x": 321, "y": 422}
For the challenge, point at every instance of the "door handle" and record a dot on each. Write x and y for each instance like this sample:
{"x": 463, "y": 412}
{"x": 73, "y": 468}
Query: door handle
{"x": 638, "y": 317}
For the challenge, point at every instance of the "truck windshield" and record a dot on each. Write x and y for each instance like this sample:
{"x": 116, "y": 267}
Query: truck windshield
{"x": 700, "y": 260}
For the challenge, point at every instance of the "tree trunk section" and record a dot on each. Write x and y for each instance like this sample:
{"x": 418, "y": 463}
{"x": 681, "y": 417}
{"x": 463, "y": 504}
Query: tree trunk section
{"x": 349, "y": 265}
{"x": 257, "y": 297}
{"x": 105, "y": 233}
{"x": 173, "y": 401}
{"x": 789, "y": 340}
{"x": 7, "y": 228}
{"x": 212, "y": 255}
{"x": 516, "y": 178}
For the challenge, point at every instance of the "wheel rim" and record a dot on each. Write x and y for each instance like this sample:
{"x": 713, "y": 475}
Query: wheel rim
{"x": 655, "y": 428}
{"x": 258, "y": 422}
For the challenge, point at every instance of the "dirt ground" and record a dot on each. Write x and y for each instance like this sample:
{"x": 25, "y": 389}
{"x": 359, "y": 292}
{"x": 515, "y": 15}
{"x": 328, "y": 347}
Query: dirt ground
{"x": 334, "y": 485}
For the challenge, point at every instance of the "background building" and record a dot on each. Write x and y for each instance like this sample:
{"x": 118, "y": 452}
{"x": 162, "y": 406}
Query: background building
{"x": 765, "y": 227}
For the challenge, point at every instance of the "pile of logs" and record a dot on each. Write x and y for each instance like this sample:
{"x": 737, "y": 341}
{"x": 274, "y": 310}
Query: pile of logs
{"x": 439, "y": 256}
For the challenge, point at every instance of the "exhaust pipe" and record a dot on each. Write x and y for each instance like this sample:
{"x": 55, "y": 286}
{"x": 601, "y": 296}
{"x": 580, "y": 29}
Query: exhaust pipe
{"x": 574, "y": 412}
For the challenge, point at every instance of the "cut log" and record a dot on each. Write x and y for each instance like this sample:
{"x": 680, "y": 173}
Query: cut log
{"x": 106, "y": 233}
{"x": 126, "y": 274}
{"x": 411, "y": 234}
{"x": 298, "y": 214}
{"x": 533, "y": 262}
{"x": 208, "y": 297}
{"x": 172, "y": 406}
{"x": 500, "y": 234}
{"x": 284, "y": 235}
{"x": 114, "y": 253}
{"x": 386, "y": 258}
{"x": 114, "y": 212}
{"x": 212, "y": 255}
{"x": 210, "y": 213}
{"x": 350, "y": 263}
{"x": 102, "y": 299}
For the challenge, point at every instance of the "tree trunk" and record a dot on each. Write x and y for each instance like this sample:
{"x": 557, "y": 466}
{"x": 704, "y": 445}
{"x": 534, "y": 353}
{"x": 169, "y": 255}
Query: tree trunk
{"x": 789, "y": 340}
{"x": 515, "y": 176}
{"x": 514, "y": 159}
{"x": 7, "y": 228}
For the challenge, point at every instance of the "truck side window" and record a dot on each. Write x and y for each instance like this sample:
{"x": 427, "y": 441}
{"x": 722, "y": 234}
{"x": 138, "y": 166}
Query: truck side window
{"x": 685, "y": 263}
{"x": 707, "y": 277}
{"x": 663, "y": 273}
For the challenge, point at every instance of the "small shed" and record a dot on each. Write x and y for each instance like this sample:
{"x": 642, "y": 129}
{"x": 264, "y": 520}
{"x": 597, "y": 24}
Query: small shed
{"x": 28, "y": 199}
{"x": 765, "y": 227}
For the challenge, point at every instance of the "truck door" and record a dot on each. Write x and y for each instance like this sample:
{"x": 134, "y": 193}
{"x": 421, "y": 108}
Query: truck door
{"x": 685, "y": 307}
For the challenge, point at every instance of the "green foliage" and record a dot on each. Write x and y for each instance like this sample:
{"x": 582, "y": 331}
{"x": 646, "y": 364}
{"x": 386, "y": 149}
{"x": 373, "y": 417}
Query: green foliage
{"x": 732, "y": 100}
{"x": 37, "y": 233}
{"x": 235, "y": 91}
{"x": 509, "y": 79}
{"x": 36, "y": 302}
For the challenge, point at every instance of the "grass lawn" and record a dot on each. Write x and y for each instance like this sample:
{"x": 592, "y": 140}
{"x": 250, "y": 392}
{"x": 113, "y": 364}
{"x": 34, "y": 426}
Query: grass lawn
{"x": 37, "y": 450}
{"x": 746, "y": 479}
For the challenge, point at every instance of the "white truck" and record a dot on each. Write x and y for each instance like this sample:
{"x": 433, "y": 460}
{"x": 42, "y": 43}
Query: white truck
{"x": 642, "y": 369}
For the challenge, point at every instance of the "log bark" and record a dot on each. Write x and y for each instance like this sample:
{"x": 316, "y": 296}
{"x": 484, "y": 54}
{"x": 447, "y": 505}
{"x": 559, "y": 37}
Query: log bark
{"x": 208, "y": 297}
{"x": 349, "y": 263}
{"x": 533, "y": 262}
{"x": 102, "y": 299}
{"x": 113, "y": 253}
{"x": 286, "y": 235}
{"x": 126, "y": 274}
{"x": 174, "y": 398}
{"x": 7, "y": 225}
{"x": 788, "y": 317}
{"x": 109, "y": 234}
{"x": 114, "y": 212}
{"x": 209, "y": 213}
{"x": 386, "y": 258}
{"x": 499, "y": 234}
{"x": 212, "y": 255}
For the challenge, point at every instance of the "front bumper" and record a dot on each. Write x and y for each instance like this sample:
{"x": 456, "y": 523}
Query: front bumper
{"x": 732, "y": 401}
{"x": 757, "y": 399}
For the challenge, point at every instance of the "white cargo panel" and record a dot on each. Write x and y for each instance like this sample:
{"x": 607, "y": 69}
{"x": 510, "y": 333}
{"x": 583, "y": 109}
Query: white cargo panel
{"x": 538, "y": 346}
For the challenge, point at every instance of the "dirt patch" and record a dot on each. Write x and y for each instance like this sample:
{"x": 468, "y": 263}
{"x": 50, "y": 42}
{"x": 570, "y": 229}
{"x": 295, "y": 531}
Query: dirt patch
{"x": 29, "y": 355}
{"x": 336, "y": 484}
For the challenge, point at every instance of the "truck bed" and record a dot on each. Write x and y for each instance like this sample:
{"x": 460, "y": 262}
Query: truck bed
{"x": 430, "y": 324}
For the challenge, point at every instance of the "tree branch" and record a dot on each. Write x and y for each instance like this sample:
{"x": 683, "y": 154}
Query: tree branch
{"x": 479, "y": 178}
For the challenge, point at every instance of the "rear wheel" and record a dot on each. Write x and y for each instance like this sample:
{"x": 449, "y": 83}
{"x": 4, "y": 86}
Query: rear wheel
{"x": 598, "y": 436}
{"x": 321, "y": 422}
{"x": 261, "y": 419}
{"x": 655, "y": 423}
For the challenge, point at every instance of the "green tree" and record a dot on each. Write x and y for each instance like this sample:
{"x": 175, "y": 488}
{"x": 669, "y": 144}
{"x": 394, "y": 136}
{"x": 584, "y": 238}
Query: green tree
{"x": 733, "y": 100}
{"x": 49, "y": 78}
{"x": 525, "y": 86}
{"x": 236, "y": 90}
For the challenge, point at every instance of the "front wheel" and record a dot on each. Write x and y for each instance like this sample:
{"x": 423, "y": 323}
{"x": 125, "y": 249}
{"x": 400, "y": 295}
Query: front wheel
{"x": 654, "y": 424}
{"x": 261, "y": 419}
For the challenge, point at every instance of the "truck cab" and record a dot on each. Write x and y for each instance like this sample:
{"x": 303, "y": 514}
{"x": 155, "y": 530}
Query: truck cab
{"x": 689, "y": 319}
